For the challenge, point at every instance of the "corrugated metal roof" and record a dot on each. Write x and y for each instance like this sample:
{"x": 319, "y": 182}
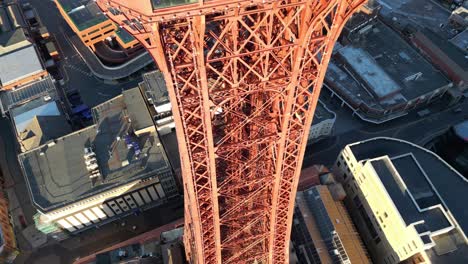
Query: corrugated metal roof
{"x": 29, "y": 92}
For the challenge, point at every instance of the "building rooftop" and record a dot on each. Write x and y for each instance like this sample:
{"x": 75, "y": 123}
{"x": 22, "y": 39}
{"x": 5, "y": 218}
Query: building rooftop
{"x": 57, "y": 175}
{"x": 411, "y": 196}
{"x": 374, "y": 77}
{"x": 83, "y": 13}
{"x": 42, "y": 129}
{"x": 136, "y": 107}
{"x": 422, "y": 175}
{"x": 26, "y": 93}
{"x": 24, "y": 114}
{"x": 323, "y": 231}
{"x": 455, "y": 54}
{"x": 392, "y": 71}
{"x": 11, "y": 34}
{"x": 461, "y": 40}
{"x": 19, "y": 64}
{"x": 155, "y": 88}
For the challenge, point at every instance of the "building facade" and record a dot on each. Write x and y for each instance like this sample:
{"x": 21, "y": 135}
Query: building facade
{"x": 113, "y": 168}
{"x": 91, "y": 25}
{"x": 322, "y": 124}
{"x": 405, "y": 202}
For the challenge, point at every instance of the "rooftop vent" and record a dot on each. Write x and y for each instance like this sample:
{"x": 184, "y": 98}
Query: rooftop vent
{"x": 91, "y": 163}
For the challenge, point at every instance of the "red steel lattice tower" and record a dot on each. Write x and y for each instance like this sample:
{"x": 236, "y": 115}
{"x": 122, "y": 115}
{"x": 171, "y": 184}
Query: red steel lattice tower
{"x": 244, "y": 78}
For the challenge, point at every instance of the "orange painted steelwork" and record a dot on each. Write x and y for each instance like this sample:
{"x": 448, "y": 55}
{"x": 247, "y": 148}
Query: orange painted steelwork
{"x": 244, "y": 79}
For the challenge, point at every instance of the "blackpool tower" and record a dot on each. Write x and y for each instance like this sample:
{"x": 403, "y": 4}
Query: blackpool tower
{"x": 244, "y": 77}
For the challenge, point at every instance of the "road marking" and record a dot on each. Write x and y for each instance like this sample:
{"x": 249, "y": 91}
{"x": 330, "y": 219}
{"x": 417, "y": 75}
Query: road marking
{"x": 103, "y": 94}
{"x": 385, "y": 4}
{"x": 73, "y": 67}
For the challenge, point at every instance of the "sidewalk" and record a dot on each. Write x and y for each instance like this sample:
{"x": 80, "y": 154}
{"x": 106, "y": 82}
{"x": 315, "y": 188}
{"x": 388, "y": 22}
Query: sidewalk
{"x": 104, "y": 72}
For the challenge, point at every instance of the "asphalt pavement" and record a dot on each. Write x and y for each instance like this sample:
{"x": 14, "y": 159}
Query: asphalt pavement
{"x": 413, "y": 128}
{"x": 76, "y": 73}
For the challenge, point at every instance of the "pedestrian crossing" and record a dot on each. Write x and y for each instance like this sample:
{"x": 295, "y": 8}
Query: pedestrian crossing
{"x": 78, "y": 69}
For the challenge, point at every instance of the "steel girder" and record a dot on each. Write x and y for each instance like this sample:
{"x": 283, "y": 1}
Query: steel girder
{"x": 244, "y": 79}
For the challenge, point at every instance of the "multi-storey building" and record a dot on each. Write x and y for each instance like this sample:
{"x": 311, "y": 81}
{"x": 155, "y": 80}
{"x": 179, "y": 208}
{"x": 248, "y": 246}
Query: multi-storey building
{"x": 108, "y": 170}
{"x": 19, "y": 61}
{"x": 379, "y": 75}
{"x": 91, "y": 25}
{"x": 322, "y": 125}
{"x": 23, "y": 77}
{"x": 323, "y": 231}
{"x": 405, "y": 201}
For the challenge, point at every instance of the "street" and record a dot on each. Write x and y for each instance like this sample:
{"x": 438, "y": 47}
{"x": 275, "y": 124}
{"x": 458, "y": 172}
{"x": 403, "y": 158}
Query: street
{"x": 411, "y": 128}
{"x": 348, "y": 129}
{"x": 76, "y": 73}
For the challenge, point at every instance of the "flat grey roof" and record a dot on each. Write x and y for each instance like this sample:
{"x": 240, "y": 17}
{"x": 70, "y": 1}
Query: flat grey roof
{"x": 380, "y": 83}
{"x": 154, "y": 87}
{"x": 393, "y": 55}
{"x": 137, "y": 110}
{"x": 56, "y": 174}
{"x": 19, "y": 64}
{"x": 461, "y": 40}
{"x": 450, "y": 185}
{"x": 434, "y": 219}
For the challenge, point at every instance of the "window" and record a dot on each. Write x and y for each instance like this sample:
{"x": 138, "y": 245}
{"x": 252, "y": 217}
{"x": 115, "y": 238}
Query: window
{"x": 380, "y": 219}
{"x": 357, "y": 201}
{"x": 377, "y": 240}
{"x": 92, "y": 32}
{"x": 106, "y": 26}
{"x": 93, "y": 38}
{"x": 386, "y": 215}
{"x": 368, "y": 222}
{"x": 338, "y": 164}
{"x": 345, "y": 176}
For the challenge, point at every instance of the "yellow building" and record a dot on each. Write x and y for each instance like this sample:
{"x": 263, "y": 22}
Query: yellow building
{"x": 91, "y": 25}
{"x": 323, "y": 231}
{"x": 406, "y": 202}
